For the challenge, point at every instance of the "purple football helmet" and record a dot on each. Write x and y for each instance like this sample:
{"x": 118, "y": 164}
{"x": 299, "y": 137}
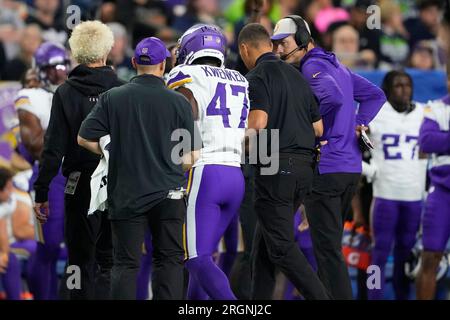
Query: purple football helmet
{"x": 50, "y": 55}
{"x": 201, "y": 40}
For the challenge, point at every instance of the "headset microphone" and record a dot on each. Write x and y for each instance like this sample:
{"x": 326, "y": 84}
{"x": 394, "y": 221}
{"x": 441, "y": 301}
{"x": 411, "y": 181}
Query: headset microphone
{"x": 287, "y": 55}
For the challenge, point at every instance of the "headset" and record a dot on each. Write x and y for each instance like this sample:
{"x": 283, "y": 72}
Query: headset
{"x": 302, "y": 36}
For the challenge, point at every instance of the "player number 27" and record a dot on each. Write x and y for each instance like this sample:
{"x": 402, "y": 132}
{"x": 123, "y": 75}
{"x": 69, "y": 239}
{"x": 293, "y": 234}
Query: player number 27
{"x": 218, "y": 104}
{"x": 393, "y": 140}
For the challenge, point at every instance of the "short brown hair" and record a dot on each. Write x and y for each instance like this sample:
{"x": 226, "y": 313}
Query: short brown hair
{"x": 254, "y": 34}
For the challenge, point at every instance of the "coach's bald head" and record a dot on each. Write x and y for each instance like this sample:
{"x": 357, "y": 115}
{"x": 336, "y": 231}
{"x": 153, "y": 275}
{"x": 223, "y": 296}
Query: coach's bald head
{"x": 253, "y": 41}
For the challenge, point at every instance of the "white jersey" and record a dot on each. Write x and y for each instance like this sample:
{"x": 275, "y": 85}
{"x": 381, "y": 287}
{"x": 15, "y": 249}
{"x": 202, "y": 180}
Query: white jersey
{"x": 20, "y": 193}
{"x": 400, "y": 174}
{"x": 8, "y": 207}
{"x": 37, "y": 101}
{"x": 7, "y": 210}
{"x": 223, "y": 106}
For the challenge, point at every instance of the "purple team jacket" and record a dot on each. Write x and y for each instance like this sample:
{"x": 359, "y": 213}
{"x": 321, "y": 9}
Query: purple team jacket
{"x": 336, "y": 89}
{"x": 434, "y": 140}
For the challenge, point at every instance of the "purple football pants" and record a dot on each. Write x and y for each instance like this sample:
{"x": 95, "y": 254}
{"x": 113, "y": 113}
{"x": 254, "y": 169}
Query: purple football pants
{"x": 215, "y": 195}
{"x": 394, "y": 224}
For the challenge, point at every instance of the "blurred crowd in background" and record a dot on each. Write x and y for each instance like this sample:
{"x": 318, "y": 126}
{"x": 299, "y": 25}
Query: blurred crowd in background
{"x": 410, "y": 35}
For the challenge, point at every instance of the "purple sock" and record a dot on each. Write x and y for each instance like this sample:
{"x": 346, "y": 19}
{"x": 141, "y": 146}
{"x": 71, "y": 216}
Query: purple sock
{"x": 210, "y": 278}
{"x": 11, "y": 280}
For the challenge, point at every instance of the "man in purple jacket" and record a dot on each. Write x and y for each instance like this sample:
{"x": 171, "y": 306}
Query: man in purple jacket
{"x": 336, "y": 88}
{"x": 434, "y": 139}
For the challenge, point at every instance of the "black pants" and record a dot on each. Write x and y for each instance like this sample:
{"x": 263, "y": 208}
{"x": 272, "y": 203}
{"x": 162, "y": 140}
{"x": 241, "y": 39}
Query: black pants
{"x": 326, "y": 209}
{"x": 277, "y": 199}
{"x": 364, "y": 192}
{"x": 240, "y": 277}
{"x": 166, "y": 225}
{"x": 89, "y": 244}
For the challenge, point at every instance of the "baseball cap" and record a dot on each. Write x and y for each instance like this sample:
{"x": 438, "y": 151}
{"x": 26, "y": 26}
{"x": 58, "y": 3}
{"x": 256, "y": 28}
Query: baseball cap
{"x": 286, "y": 27}
{"x": 150, "y": 51}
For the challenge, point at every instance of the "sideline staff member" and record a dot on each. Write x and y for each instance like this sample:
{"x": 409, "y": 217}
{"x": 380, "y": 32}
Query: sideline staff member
{"x": 282, "y": 100}
{"x": 88, "y": 240}
{"x": 337, "y": 89}
{"x": 140, "y": 117}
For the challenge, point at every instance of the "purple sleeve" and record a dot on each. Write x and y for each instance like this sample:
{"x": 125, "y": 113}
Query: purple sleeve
{"x": 432, "y": 139}
{"x": 370, "y": 98}
{"x": 324, "y": 87}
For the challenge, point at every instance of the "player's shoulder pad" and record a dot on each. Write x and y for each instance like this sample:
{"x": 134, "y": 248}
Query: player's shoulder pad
{"x": 434, "y": 109}
{"x": 179, "y": 76}
{"x": 23, "y": 97}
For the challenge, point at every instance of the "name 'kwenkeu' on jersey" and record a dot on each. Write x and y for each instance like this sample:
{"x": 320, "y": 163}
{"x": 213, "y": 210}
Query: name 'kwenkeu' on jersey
{"x": 222, "y": 73}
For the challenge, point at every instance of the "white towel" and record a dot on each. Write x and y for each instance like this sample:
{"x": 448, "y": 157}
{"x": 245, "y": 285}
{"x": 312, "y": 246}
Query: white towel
{"x": 369, "y": 170}
{"x": 99, "y": 180}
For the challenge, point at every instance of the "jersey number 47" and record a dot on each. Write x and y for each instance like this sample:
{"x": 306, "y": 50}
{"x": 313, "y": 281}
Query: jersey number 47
{"x": 218, "y": 104}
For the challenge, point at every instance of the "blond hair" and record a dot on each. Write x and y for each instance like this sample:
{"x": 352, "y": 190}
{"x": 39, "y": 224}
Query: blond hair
{"x": 388, "y": 9}
{"x": 90, "y": 42}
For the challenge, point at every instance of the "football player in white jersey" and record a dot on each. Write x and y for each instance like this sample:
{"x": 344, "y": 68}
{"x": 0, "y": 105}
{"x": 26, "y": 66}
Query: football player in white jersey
{"x": 16, "y": 228}
{"x": 434, "y": 139}
{"x": 34, "y": 105}
{"x": 219, "y": 99}
{"x": 398, "y": 180}
{"x": 6, "y": 190}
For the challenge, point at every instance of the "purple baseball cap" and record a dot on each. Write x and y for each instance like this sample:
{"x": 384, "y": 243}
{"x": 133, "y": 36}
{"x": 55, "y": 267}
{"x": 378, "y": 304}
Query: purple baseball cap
{"x": 151, "y": 51}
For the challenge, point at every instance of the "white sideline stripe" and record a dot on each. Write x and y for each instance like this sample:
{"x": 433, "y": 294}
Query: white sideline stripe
{"x": 190, "y": 220}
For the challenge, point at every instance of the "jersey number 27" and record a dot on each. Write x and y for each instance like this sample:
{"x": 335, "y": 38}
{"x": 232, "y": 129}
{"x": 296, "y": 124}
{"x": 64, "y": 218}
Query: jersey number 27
{"x": 392, "y": 141}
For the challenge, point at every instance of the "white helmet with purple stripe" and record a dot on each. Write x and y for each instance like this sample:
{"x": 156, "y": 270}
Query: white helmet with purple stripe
{"x": 201, "y": 40}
